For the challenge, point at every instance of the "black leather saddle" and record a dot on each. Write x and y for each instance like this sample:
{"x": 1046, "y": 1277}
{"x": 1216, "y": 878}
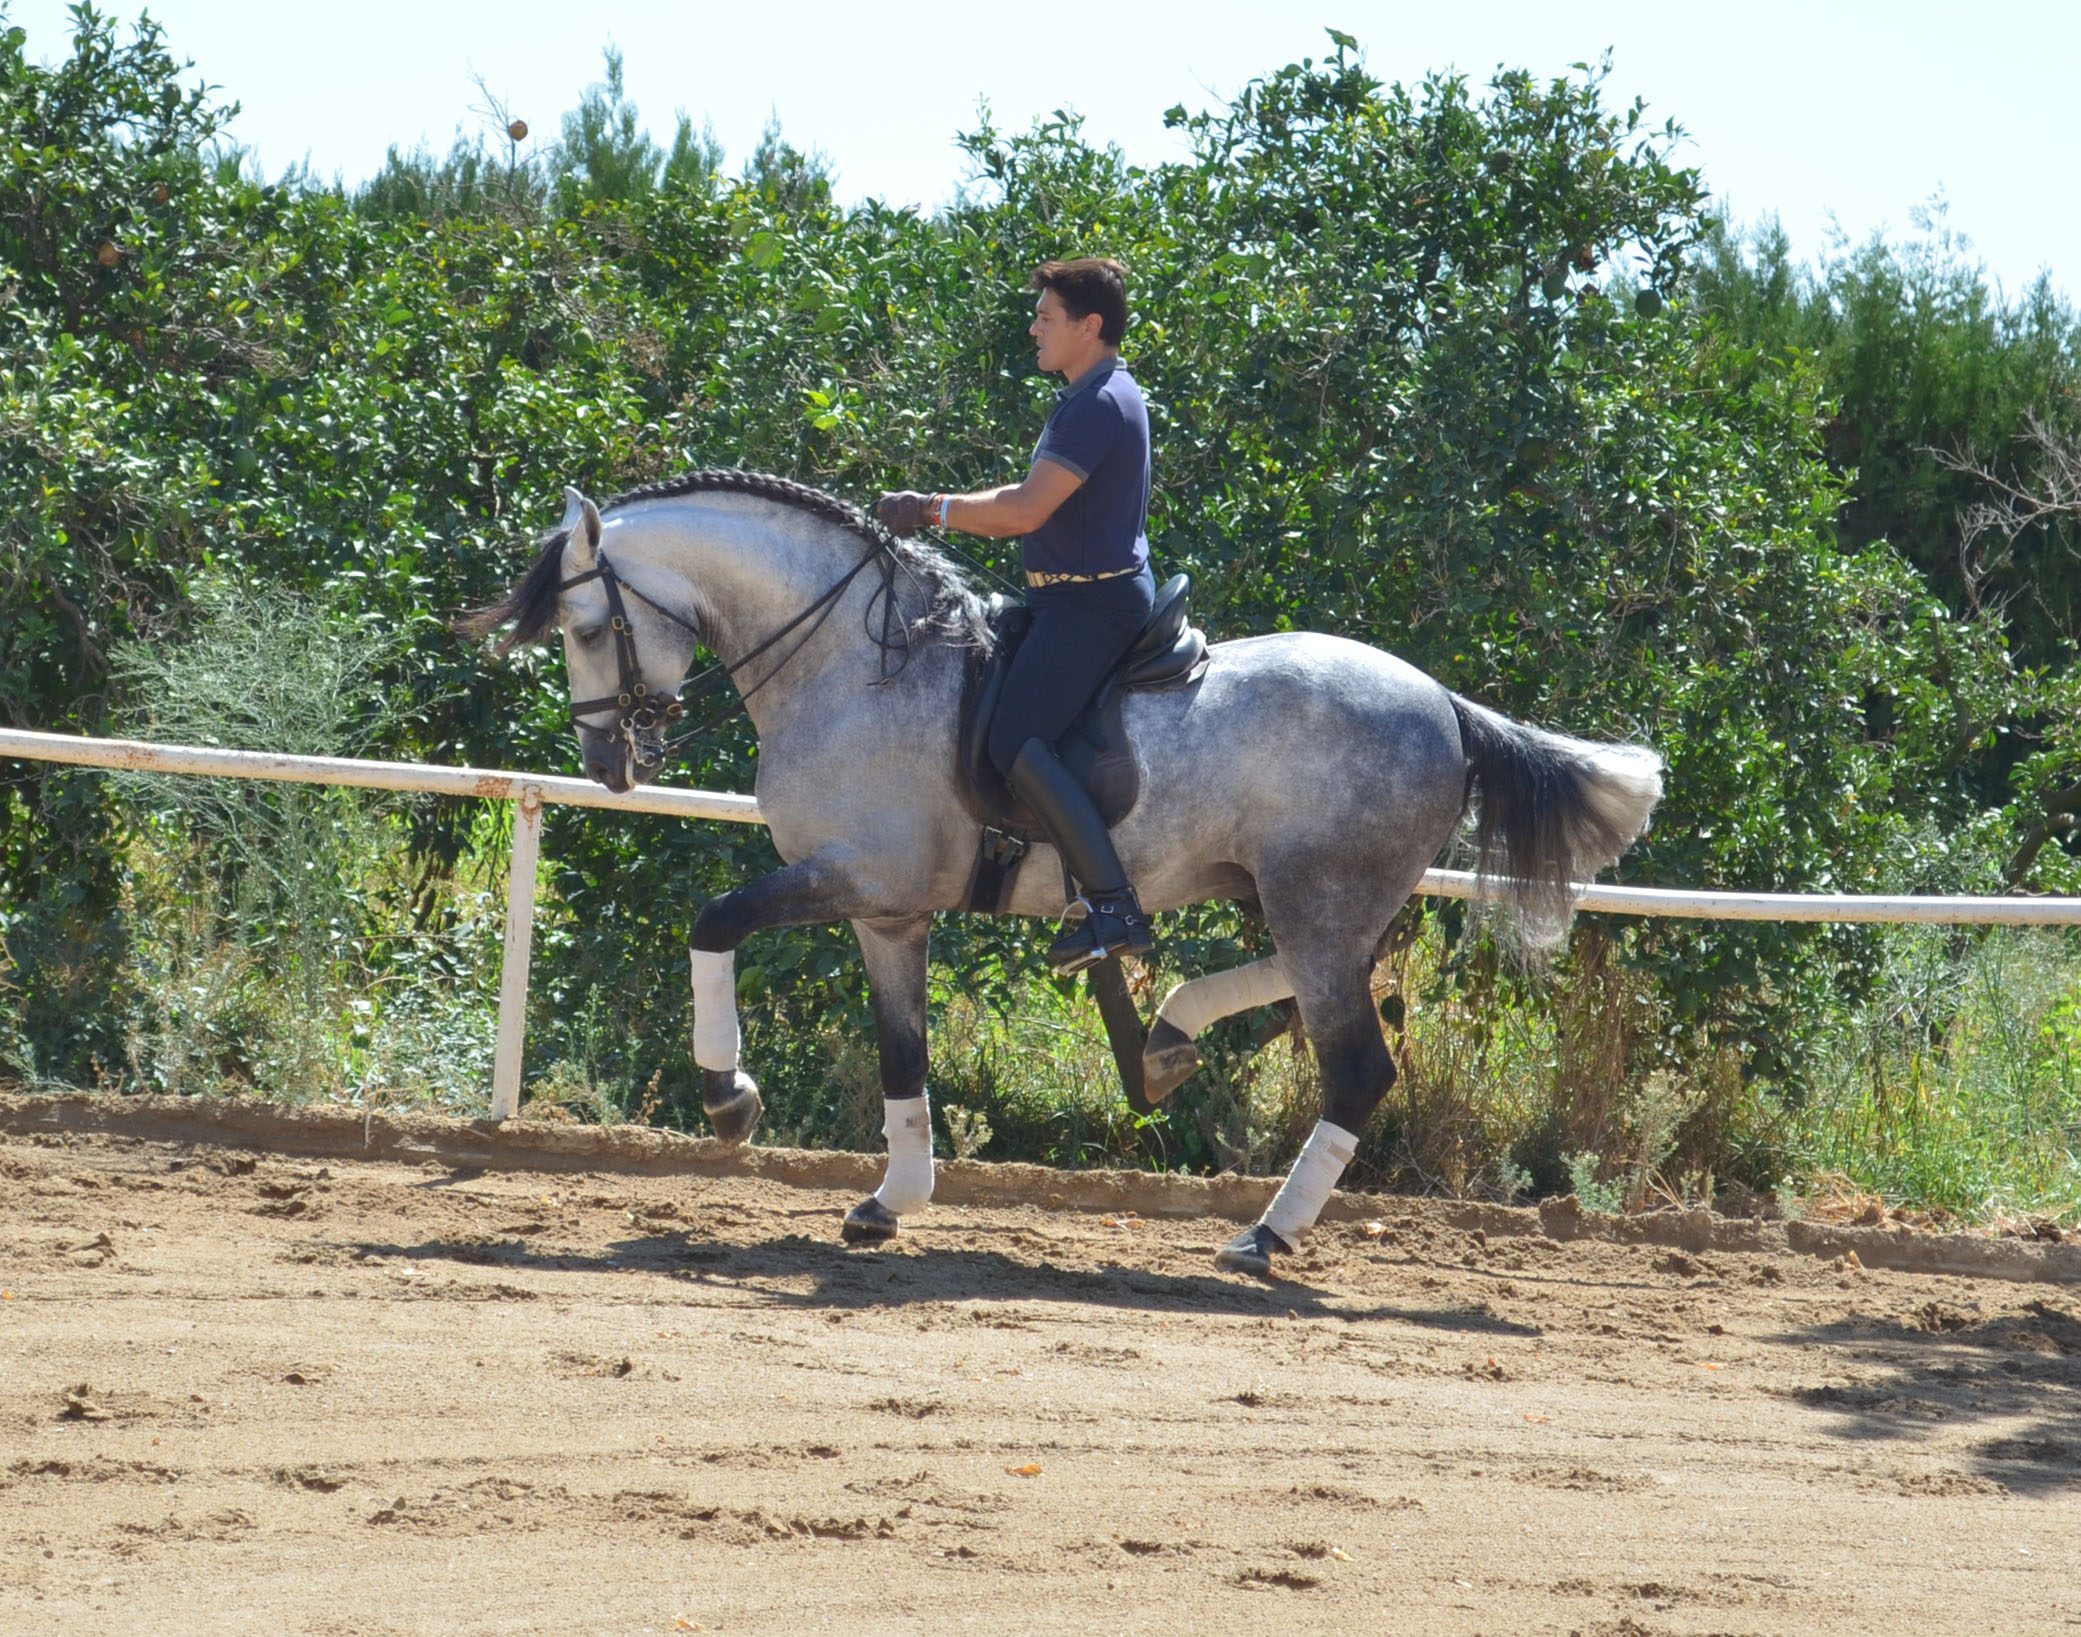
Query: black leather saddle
{"x": 1169, "y": 653}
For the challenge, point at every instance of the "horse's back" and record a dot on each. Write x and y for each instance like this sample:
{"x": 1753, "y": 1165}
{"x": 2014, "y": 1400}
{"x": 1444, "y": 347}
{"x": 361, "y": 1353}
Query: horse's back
{"x": 1338, "y": 671}
{"x": 1299, "y": 734}
{"x": 1305, "y": 687}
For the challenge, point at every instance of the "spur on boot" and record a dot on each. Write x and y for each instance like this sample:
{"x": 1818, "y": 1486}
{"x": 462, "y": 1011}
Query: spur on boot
{"x": 1112, "y": 924}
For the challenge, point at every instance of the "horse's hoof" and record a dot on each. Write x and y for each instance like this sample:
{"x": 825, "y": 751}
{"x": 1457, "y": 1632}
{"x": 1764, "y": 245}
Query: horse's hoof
{"x": 869, "y": 1223}
{"x": 1168, "y": 1061}
{"x": 730, "y": 1098}
{"x": 1251, "y": 1252}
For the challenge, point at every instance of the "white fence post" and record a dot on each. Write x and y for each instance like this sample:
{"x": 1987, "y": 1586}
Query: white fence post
{"x": 520, "y": 937}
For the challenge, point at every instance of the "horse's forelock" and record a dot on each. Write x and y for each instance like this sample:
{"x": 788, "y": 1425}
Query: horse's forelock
{"x": 529, "y": 608}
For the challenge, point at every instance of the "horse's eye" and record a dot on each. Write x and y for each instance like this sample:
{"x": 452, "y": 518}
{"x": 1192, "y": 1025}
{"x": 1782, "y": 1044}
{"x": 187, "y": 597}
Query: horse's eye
{"x": 588, "y": 636}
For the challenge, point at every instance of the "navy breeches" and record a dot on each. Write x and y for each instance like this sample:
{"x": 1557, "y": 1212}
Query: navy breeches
{"x": 1078, "y": 634}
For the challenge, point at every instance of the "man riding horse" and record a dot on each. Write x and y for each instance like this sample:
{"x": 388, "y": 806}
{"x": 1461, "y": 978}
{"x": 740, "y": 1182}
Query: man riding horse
{"x": 1309, "y": 778}
{"x": 1082, "y": 512}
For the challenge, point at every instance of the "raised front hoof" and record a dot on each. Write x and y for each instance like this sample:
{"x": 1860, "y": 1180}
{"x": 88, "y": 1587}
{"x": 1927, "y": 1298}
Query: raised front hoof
{"x": 1251, "y": 1252}
{"x": 730, "y": 1098}
{"x": 1168, "y": 1061}
{"x": 869, "y": 1223}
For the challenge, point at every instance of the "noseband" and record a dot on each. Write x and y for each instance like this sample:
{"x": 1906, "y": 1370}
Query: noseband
{"x": 641, "y": 715}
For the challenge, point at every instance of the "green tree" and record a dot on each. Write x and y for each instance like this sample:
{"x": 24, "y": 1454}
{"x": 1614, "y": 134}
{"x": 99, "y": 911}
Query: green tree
{"x": 1933, "y": 372}
{"x": 606, "y": 154}
{"x": 791, "y": 181}
{"x": 696, "y": 159}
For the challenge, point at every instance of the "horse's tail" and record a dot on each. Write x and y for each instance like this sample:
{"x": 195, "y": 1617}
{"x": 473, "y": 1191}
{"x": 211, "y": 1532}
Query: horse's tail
{"x": 1550, "y": 812}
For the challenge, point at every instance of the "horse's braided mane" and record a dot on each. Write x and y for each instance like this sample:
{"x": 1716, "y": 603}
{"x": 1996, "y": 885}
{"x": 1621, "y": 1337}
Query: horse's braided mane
{"x": 761, "y": 486}
{"x": 953, "y": 610}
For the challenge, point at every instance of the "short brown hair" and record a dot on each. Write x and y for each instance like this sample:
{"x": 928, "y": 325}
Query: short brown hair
{"x": 1090, "y": 284}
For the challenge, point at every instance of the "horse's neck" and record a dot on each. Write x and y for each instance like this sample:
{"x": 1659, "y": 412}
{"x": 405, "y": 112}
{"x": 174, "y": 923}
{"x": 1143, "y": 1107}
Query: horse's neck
{"x": 753, "y": 573}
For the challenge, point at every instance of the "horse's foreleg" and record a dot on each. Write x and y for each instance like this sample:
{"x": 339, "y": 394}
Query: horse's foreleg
{"x": 1169, "y": 1056}
{"x": 812, "y": 890}
{"x": 897, "y": 965}
{"x": 729, "y": 1096}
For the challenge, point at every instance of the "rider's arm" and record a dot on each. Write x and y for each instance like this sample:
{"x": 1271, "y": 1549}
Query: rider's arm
{"x": 1018, "y": 508}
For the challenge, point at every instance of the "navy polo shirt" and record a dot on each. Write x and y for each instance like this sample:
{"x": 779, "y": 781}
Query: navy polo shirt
{"x": 1099, "y": 430}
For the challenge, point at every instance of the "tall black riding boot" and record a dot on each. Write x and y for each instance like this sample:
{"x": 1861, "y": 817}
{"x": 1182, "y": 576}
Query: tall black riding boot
{"x": 1114, "y": 923}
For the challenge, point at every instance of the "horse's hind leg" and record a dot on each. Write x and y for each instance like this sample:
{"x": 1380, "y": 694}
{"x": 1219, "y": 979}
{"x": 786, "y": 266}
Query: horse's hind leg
{"x": 897, "y": 966}
{"x": 1169, "y": 1057}
{"x": 1332, "y": 981}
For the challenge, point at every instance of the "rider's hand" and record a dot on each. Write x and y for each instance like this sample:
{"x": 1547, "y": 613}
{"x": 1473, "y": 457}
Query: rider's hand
{"x": 904, "y": 512}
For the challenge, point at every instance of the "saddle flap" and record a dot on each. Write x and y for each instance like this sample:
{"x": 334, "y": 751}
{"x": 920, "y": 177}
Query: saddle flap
{"x": 1008, "y": 623}
{"x": 1167, "y": 653}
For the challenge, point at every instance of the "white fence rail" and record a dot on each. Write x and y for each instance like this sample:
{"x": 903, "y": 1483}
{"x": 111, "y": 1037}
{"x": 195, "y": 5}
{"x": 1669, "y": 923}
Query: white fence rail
{"x": 531, "y": 791}
{"x": 1683, "y": 903}
{"x": 134, "y": 756}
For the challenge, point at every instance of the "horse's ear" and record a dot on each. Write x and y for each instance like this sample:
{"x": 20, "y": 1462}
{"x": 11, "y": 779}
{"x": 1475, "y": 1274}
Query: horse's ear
{"x": 582, "y": 524}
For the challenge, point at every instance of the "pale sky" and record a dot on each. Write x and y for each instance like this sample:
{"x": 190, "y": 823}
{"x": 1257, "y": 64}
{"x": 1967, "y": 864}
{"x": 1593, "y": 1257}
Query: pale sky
{"x": 1862, "y": 110}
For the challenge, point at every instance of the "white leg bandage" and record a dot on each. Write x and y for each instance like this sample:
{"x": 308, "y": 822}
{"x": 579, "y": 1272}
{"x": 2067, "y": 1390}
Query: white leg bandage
{"x": 907, "y": 1184}
{"x": 1307, "y": 1186}
{"x": 715, "y": 1008}
{"x": 1192, "y": 1006}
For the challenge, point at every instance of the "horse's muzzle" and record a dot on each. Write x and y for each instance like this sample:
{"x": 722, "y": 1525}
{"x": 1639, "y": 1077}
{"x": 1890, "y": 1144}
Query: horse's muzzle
{"x": 606, "y": 758}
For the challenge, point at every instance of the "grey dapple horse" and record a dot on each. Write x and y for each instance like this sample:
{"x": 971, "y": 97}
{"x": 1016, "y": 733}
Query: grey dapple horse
{"x": 1311, "y": 777}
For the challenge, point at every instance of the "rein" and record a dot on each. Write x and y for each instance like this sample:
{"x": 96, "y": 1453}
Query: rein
{"x": 643, "y": 714}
